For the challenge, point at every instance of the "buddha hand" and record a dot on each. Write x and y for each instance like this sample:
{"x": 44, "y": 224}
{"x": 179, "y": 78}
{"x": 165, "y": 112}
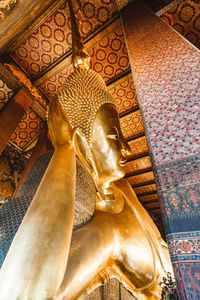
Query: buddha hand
{"x": 59, "y": 126}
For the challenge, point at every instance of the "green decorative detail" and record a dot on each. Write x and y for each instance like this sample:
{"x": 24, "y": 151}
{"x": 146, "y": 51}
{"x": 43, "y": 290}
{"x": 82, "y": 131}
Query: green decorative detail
{"x": 168, "y": 286}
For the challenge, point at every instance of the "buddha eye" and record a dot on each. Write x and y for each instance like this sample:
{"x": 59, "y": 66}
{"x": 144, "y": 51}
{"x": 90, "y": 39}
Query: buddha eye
{"x": 113, "y": 134}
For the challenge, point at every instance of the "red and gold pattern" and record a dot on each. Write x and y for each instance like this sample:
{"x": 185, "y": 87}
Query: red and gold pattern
{"x": 142, "y": 178}
{"x": 138, "y": 165}
{"x": 28, "y": 128}
{"x": 185, "y": 18}
{"x": 149, "y": 198}
{"x": 109, "y": 57}
{"x": 131, "y": 124}
{"x": 152, "y": 205}
{"x": 145, "y": 189}
{"x": 138, "y": 147}
{"x": 54, "y": 85}
{"x": 124, "y": 93}
{"x": 52, "y": 39}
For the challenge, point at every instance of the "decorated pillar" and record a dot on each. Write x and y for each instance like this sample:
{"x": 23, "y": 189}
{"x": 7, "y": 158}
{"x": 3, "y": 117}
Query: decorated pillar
{"x": 11, "y": 114}
{"x": 165, "y": 68}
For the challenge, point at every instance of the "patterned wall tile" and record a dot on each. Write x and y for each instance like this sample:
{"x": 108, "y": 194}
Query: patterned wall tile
{"x": 138, "y": 146}
{"x": 109, "y": 57}
{"x": 131, "y": 124}
{"x": 138, "y": 164}
{"x": 137, "y": 179}
{"x": 165, "y": 73}
{"x": 124, "y": 93}
{"x": 185, "y": 18}
{"x": 53, "y": 38}
{"x": 5, "y": 93}
{"x": 27, "y": 129}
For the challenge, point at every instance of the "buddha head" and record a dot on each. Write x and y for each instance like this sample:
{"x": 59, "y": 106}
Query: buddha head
{"x": 98, "y": 140}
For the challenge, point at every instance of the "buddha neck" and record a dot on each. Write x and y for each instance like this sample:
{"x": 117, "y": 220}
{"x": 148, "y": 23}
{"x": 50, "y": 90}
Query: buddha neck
{"x": 109, "y": 199}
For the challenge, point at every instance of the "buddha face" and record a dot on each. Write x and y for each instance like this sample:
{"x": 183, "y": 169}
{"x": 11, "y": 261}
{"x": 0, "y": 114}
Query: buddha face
{"x": 108, "y": 145}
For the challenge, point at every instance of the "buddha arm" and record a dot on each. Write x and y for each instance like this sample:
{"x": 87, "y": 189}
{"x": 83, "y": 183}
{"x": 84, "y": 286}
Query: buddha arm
{"x": 91, "y": 249}
{"x": 36, "y": 262}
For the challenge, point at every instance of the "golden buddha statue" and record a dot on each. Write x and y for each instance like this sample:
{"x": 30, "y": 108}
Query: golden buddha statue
{"x": 121, "y": 241}
{"x": 47, "y": 259}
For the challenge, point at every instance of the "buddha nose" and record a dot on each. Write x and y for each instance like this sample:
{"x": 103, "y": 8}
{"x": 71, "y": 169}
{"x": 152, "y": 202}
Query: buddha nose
{"x": 126, "y": 150}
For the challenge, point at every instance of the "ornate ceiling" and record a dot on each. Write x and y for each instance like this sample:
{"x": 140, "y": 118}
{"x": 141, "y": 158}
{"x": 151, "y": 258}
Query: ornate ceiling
{"x": 41, "y": 54}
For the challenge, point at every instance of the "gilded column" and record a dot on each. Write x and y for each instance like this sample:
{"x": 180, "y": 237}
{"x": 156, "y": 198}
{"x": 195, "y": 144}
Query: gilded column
{"x": 166, "y": 73}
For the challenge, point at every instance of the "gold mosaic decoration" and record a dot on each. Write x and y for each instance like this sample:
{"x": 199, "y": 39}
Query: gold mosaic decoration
{"x": 84, "y": 92}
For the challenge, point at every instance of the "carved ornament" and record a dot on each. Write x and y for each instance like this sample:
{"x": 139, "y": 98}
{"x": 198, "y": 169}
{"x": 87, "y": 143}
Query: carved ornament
{"x": 5, "y": 6}
{"x": 27, "y": 83}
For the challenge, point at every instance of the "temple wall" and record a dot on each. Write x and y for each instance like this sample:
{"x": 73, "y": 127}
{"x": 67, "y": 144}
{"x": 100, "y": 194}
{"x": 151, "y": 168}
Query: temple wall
{"x": 165, "y": 69}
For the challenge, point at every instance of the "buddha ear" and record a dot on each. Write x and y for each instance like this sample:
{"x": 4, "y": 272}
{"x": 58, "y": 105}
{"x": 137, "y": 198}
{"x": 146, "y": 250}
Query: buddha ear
{"x": 83, "y": 151}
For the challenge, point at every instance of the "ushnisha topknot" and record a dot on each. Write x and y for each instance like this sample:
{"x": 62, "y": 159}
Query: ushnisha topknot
{"x": 84, "y": 92}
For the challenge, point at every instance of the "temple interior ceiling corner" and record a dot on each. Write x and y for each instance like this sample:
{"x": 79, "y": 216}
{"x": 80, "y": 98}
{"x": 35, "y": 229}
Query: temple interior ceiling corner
{"x": 36, "y": 56}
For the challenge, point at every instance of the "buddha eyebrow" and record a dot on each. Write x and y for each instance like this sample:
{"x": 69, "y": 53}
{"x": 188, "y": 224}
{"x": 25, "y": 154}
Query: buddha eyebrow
{"x": 113, "y": 129}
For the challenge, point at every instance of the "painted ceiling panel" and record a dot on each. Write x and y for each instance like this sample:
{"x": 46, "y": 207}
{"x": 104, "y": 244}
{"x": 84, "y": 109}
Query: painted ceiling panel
{"x": 185, "y": 18}
{"x": 157, "y": 211}
{"x": 152, "y": 205}
{"x": 142, "y": 178}
{"x": 138, "y": 146}
{"x": 106, "y": 59}
{"x": 28, "y": 128}
{"x": 149, "y": 198}
{"x": 46, "y": 44}
{"x": 54, "y": 85}
{"x": 138, "y": 165}
{"x": 145, "y": 189}
{"x": 109, "y": 57}
{"x": 131, "y": 124}
{"x": 5, "y": 94}
{"x": 52, "y": 39}
{"x": 124, "y": 93}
